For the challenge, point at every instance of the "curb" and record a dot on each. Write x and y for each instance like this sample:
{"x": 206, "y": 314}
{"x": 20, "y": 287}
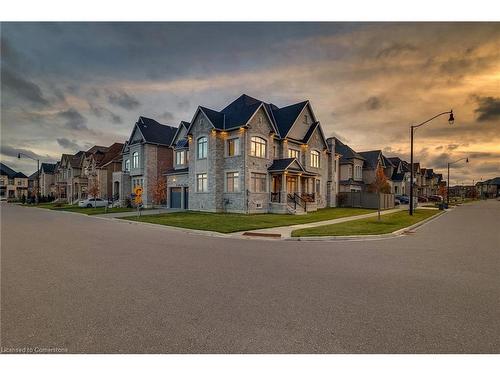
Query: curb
{"x": 398, "y": 233}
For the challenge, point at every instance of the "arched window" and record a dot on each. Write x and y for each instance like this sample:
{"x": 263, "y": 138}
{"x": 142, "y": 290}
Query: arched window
{"x": 258, "y": 147}
{"x": 202, "y": 147}
{"x": 135, "y": 160}
{"x": 127, "y": 165}
{"x": 315, "y": 159}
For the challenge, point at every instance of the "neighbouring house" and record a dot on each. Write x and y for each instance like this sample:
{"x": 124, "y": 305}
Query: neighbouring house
{"x": 253, "y": 157}
{"x": 47, "y": 180}
{"x": 99, "y": 166}
{"x": 351, "y": 168}
{"x": 13, "y": 185}
{"x": 489, "y": 188}
{"x": 146, "y": 156}
{"x": 372, "y": 160}
{"x": 400, "y": 178}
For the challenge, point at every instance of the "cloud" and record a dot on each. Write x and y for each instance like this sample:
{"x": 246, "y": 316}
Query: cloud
{"x": 23, "y": 89}
{"x": 166, "y": 116}
{"x": 67, "y": 144}
{"x": 14, "y": 151}
{"x": 396, "y": 49}
{"x": 100, "y": 111}
{"x": 73, "y": 119}
{"x": 124, "y": 100}
{"x": 373, "y": 103}
{"x": 488, "y": 108}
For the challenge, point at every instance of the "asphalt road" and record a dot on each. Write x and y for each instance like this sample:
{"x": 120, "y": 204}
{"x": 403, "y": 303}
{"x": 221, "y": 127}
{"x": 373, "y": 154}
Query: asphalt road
{"x": 92, "y": 285}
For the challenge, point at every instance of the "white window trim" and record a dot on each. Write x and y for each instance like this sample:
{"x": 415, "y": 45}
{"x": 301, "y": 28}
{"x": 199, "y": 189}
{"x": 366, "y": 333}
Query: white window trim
{"x": 318, "y": 153}
{"x": 225, "y": 182}
{"x": 204, "y": 191}
{"x": 266, "y": 148}
{"x": 198, "y": 147}
{"x": 226, "y": 144}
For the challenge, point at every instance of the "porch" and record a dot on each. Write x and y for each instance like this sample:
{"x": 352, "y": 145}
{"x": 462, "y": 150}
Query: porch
{"x": 294, "y": 192}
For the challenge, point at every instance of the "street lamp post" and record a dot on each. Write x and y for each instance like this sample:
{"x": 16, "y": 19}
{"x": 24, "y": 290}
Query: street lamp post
{"x": 448, "y": 182}
{"x": 37, "y": 174}
{"x": 451, "y": 120}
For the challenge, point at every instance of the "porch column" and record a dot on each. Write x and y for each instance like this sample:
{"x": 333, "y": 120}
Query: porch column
{"x": 283, "y": 189}
{"x": 299, "y": 184}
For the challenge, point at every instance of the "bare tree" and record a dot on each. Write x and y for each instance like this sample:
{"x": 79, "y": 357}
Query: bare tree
{"x": 93, "y": 189}
{"x": 159, "y": 190}
{"x": 380, "y": 185}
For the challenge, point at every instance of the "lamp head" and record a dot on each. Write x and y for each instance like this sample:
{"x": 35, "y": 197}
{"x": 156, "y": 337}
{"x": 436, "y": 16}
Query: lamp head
{"x": 451, "y": 120}
{"x": 466, "y": 160}
{"x": 19, "y": 156}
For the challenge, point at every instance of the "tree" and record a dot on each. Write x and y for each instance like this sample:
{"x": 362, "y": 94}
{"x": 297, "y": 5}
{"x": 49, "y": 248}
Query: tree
{"x": 93, "y": 189}
{"x": 380, "y": 185}
{"x": 159, "y": 190}
{"x": 443, "y": 191}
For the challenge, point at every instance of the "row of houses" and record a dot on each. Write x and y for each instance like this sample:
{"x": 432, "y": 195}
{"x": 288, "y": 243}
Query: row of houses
{"x": 249, "y": 157}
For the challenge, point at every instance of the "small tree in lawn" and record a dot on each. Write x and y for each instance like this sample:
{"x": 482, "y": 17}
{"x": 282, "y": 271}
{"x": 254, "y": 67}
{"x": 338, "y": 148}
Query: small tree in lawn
{"x": 380, "y": 185}
{"x": 443, "y": 191}
{"x": 159, "y": 190}
{"x": 93, "y": 190}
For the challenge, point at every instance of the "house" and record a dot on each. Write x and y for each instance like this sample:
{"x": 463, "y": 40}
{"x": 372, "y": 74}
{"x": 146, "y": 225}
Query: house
{"x": 13, "y": 185}
{"x": 351, "y": 168}
{"x": 146, "y": 156}
{"x": 99, "y": 166}
{"x": 400, "y": 176}
{"x": 489, "y": 188}
{"x": 372, "y": 160}
{"x": 253, "y": 157}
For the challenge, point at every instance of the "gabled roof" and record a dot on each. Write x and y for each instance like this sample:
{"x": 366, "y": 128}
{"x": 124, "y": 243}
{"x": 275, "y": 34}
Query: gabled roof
{"x": 76, "y": 159}
{"x": 111, "y": 154}
{"x": 20, "y": 175}
{"x": 216, "y": 118}
{"x": 287, "y": 164}
{"x": 182, "y": 125}
{"x": 286, "y": 116}
{"x": 398, "y": 176}
{"x": 240, "y": 111}
{"x": 372, "y": 158}
{"x": 6, "y": 171}
{"x": 48, "y": 168}
{"x": 95, "y": 149}
{"x": 429, "y": 173}
{"x": 346, "y": 152}
{"x": 154, "y": 132}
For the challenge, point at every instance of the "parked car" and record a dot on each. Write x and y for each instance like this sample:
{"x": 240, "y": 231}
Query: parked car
{"x": 397, "y": 202}
{"x": 422, "y": 199}
{"x": 435, "y": 198}
{"x": 93, "y": 202}
{"x": 403, "y": 199}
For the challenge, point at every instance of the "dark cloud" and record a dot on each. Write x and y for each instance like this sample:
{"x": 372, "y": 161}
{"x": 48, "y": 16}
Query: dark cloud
{"x": 67, "y": 144}
{"x": 452, "y": 146}
{"x": 373, "y": 103}
{"x": 166, "y": 116}
{"x": 14, "y": 151}
{"x": 396, "y": 49}
{"x": 73, "y": 119}
{"x": 488, "y": 108}
{"x": 124, "y": 100}
{"x": 100, "y": 111}
{"x": 183, "y": 104}
{"x": 22, "y": 88}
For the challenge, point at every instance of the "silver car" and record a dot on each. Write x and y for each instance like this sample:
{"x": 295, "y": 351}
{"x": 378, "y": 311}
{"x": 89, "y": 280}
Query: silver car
{"x": 93, "y": 202}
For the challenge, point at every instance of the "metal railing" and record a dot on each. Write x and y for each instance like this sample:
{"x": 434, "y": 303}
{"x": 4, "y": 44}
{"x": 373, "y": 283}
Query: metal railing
{"x": 276, "y": 197}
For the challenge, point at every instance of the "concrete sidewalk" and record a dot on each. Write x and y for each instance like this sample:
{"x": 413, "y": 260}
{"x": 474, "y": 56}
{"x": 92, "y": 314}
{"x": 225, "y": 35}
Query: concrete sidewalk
{"x": 286, "y": 231}
{"x": 155, "y": 211}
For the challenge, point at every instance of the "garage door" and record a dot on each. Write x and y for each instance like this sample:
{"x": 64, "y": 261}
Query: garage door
{"x": 175, "y": 197}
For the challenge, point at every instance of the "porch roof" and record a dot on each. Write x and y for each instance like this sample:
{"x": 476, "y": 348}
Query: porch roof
{"x": 289, "y": 165}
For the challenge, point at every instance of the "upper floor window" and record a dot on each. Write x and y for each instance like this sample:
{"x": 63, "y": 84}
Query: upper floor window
{"x": 180, "y": 157}
{"x": 357, "y": 172}
{"x": 233, "y": 147}
{"x": 275, "y": 151}
{"x": 258, "y": 147}
{"x": 202, "y": 149}
{"x": 293, "y": 153}
{"x": 127, "y": 165}
{"x": 135, "y": 160}
{"x": 306, "y": 119}
{"x": 315, "y": 159}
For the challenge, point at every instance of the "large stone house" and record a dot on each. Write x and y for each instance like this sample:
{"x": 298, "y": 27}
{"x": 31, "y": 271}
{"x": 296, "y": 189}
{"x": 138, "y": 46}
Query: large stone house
{"x": 253, "y": 157}
{"x": 146, "y": 156}
{"x": 372, "y": 161}
{"x": 351, "y": 168}
{"x": 13, "y": 185}
{"x": 400, "y": 179}
{"x": 99, "y": 166}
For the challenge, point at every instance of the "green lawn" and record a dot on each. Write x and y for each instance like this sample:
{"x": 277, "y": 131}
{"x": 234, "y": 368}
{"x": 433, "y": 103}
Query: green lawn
{"x": 81, "y": 210}
{"x": 387, "y": 224}
{"x": 227, "y": 223}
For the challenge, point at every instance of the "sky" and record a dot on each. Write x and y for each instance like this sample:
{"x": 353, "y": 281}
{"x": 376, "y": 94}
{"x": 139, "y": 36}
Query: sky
{"x": 68, "y": 86}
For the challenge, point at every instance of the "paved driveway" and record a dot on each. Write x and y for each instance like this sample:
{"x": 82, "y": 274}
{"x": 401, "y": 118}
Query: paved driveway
{"x": 95, "y": 285}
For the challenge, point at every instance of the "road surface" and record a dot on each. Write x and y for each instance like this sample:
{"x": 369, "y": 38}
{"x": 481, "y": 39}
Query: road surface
{"x": 87, "y": 285}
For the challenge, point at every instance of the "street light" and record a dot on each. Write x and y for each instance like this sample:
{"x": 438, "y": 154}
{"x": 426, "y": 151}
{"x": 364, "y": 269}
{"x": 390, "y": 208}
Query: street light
{"x": 37, "y": 173}
{"x": 448, "y": 183}
{"x": 451, "y": 120}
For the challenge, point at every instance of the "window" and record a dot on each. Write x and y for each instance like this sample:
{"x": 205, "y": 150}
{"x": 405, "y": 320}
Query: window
{"x": 180, "y": 157}
{"x": 127, "y": 165}
{"x": 293, "y": 153}
{"x": 258, "y": 147}
{"x": 233, "y": 147}
{"x": 315, "y": 159}
{"x": 135, "y": 160}
{"x": 202, "y": 147}
{"x": 258, "y": 182}
{"x": 357, "y": 172}
{"x": 232, "y": 182}
{"x": 201, "y": 183}
{"x": 306, "y": 119}
{"x": 275, "y": 151}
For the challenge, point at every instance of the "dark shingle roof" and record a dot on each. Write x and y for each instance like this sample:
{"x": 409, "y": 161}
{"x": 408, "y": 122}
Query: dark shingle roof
{"x": 7, "y": 171}
{"x": 48, "y": 168}
{"x": 397, "y": 176}
{"x": 286, "y": 116}
{"x": 154, "y": 132}
{"x": 346, "y": 152}
{"x": 285, "y": 164}
{"x": 111, "y": 154}
{"x": 20, "y": 175}
{"x": 239, "y": 112}
{"x": 372, "y": 157}
{"x": 183, "y": 143}
{"x": 216, "y": 118}
{"x": 177, "y": 171}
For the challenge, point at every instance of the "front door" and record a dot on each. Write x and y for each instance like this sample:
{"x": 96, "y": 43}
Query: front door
{"x": 291, "y": 184}
{"x": 186, "y": 198}
{"x": 175, "y": 197}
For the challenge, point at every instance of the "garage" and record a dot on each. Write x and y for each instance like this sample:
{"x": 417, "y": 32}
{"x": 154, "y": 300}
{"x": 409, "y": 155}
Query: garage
{"x": 175, "y": 197}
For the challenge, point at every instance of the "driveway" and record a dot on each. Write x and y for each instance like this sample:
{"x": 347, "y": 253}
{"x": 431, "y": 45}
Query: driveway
{"x": 92, "y": 285}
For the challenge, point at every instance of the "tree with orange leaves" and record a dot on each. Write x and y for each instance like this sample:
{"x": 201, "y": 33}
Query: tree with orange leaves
{"x": 380, "y": 185}
{"x": 159, "y": 190}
